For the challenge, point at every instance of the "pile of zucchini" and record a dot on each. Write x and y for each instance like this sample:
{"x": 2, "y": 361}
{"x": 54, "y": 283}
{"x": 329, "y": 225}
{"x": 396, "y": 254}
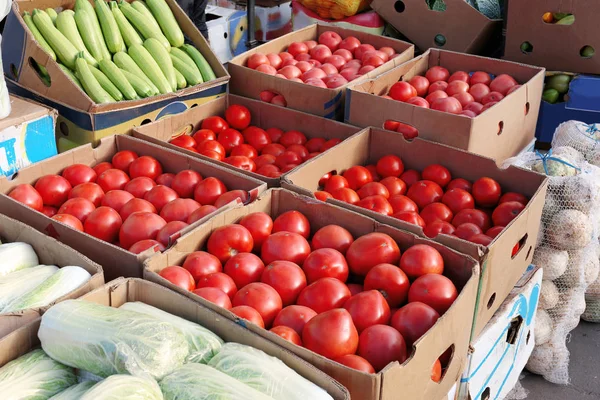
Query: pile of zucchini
{"x": 122, "y": 51}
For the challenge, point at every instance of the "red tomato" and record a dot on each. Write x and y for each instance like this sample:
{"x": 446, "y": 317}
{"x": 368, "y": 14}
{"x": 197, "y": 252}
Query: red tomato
{"x": 185, "y": 182}
{"x": 414, "y": 320}
{"x": 481, "y": 239}
{"x": 116, "y": 199}
{"x": 238, "y": 116}
{"x": 80, "y": 208}
{"x": 465, "y": 98}
{"x": 346, "y": 195}
{"x": 145, "y": 166}
{"x": 331, "y": 334}
{"x": 418, "y": 101}
{"x": 324, "y": 294}
{"x": 122, "y": 160}
{"x": 288, "y": 334}
{"x": 448, "y": 104}
{"x": 370, "y": 250}
{"x": 436, "y": 371}
{"x": 410, "y": 177}
{"x": 263, "y": 298}
{"x": 267, "y": 69}
{"x": 411, "y": 217}
{"x": 381, "y": 345}
{"x": 220, "y": 281}
{"x": 334, "y": 237}
{"x": 104, "y": 223}
{"x": 425, "y": 192}
{"x": 323, "y": 196}
{"x": 54, "y": 190}
{"x": 275, "y": 134}
{"x": 248, "y": 313}
{"x": 286, "y": 278}
{"x": 390, "y": 165}
{"x": 256, "y": 60}
{"x": 459, "y": 76}
{"x": 421, "y": 85}
{"x": 437, "y": 73}
{"x": 401, "y": 203}
{"x": 506, "y": 212}
{"x": 513, "y": 89}
{"x": 244, "y": 268}
{"x": 204, "y": 134}
{"x": 357, "y": 177}
{"x": 244, "y": 150}
{"x": 375, "y": 189}
{"x": 90, "y": 191}
{"x": 265, "y": 159}
{"x": 209, "y": 190}
{"x": 420, "y": 260}
{"x": 232, "y": 195}
{"x": 314, "y": 145}
{"x": 275, "y": 60}
{"x": 436, "y": 291}
{"x": 479, "y": 91}
{"x": 491, "y": 97}
{"x": 139, "y": 226}
{"x": 77, "y": 174}
{"x": 241, "y": 162}
{"x": 467, "y": 230}
{"x": 256, "y": 137}
{"x": 458, "y": 200}
{"x": 459, "y": 183}
{"x": 285, "y": 246}
{"x": 168, "y": 230}
{"x": 184, "y": 141}
{"x": 345, "y": 54}
{"x": 350, "y": 43}
{"x": 201, "y": 263}
{"x": 438, "y": 86}
{"x": 49, "y": 211}
{"x": 477, "y": 217}
{"x": 402, "y": 91}
{"x": 229, "y": 240}
{"x": 292, "y": 221}
{"x": 274, "y": 149}
{"x": 495, "y": 231}
{"x": 112, "y": 179}
{"x": 103, "y": 166}
{"x": 438, "y": 227}
{"x": 435, "y": 95}
{"x": 211, "y": 145}
{"x": 200, "y": 213}
{"x": 438, "y": 174}
{"x": 297, "y": 48}
{"x": 336, "y": 182}
{"x": 215, "y": 296}
{"x": 330, "y": 39}
{"x": 178, "y": 277}
{"x": 300, "y": 150}
{"x": 139, "y": 186}
{"x": 230, "y": 138}
{"x": 486, "y": 192}
{"x": 325, "y": 263}
{"x": 391, "y": 125}
{"x": 179, "y": 210}
{"x": 69, "y": 220}
{"x": 330, "y": 143}
{"x": 390, "y": 281}
{"x": 409, "y": 132}
{"x": 512, "y": 196}
{"x": 502, "y": 84}
{"x": 367, "y": 309}
{"x": 377, "y": 203}
{"x": 292, "y": 137}
{"x": 436, "y": 211}
{"x": 481, "y": 77}
{"x": 159, "y": 196}
{"x": 26, "y": 194}
{"x": 457, "y": 87}
{"x": 294, "y": 317}
{"x": 144, "y": 245}
{"x": 394, "y": 185}
{"x": 260, "y": 226}
{"x": 355, "y": 362}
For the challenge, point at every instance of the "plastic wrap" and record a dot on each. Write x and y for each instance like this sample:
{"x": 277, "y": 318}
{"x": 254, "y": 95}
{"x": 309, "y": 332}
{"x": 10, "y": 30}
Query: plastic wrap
{"x": 107, "y": 341}
{"x": 124, "y": 387}
{"x": 74, "y": 392}
{"x": 567, "y": 250}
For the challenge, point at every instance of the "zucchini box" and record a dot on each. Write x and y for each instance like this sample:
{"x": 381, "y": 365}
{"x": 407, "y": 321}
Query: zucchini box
{"x": 30, "y": 72}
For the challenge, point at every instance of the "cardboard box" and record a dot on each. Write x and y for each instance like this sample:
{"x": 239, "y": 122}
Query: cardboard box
{"x": 582, "y": 104}
{"x": 328, "y": 103}
{"x": 26, "y": 135}
{"x": 414, "y": 375}
{"x": 264, "y": 115}
{"x": 218, "y": 21}
{"x": 499, "y": 354}
{"x": 369, "y": 21}
{"x": 500, "y": 271}
{"x": 555, "y": 47}
{"x": 120, "y": 291}
{"x": 50, "y": 252}
{"x": 81, "y": 120}
{"x": 500, "y": 132}
{"x": 115, "y": 260}
{"x": 464, "y": 28}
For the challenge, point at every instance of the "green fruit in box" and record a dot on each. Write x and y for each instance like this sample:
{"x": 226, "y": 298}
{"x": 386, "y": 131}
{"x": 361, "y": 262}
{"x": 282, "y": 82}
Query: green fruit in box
{"x": 587, "y": 52}
{"x": 559, "y": 82}
{"x": 550, "y": 96}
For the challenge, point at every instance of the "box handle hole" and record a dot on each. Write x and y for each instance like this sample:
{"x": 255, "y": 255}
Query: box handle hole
{"x": 399, "y": 6}
{"x": 564, "y": 19}
{"x": 64, "y": 129}
{"x": 528, "y": 337}
{"x": 146, "y": 121}
{"x": 526, "y": 48}
{"x": 519, "y": 245}
{"x": 587, "y": 52}
{"x": 436, "y": 5}
{"x": 513, "y": 330}
{"x": 14, "y": 72}
{"x": 40, "y": 71}
{"x": 500, "y": 127}
{"x": 440, "y": 40}
{"x": 527, "y": 106}
{"x": 491, "y": 301}
{"x": 486, "y": 394}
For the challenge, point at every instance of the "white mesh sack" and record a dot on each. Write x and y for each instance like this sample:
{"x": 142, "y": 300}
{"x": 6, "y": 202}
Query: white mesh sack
{"x": 567, "y": 251}
{"x": 585, "y": 138}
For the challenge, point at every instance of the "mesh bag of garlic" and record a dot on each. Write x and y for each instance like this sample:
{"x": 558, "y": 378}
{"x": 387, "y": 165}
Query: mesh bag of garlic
{"x": 567, "y": 250}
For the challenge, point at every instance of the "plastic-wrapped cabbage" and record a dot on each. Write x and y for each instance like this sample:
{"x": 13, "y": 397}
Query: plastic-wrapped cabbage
{"x": 124, "y": 387}
{"x": 107, "y": 341}
{"x": 64, "y": 281}
{"x": 34, "y": 376}
{"x": 203, "y": 343}
{"x": 74, "y": 392}
{"x": 18, "y": 283}
{"x": 201, "y": 382}
{"x": 264, "y": 373}
{"x": 16, "y": 256}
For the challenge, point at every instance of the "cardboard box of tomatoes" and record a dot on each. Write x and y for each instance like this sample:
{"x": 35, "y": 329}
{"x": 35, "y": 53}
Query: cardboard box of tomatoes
{"x": 30, "y": 72}
{"x": 49, "y": 252}
{"x": 459, "y": 27}
{"x": 555, "y": 35}
{"x": 499, "y": 129}
{"x": 286, "y": 72}
{"x": 315, "y": 303}
{"x": 419, "y": 173}
{"x": 120, "y": 291}
{"x": 135, "y": 201}
{"x": 250, "y": 136}
{"x": 499, "y": 354}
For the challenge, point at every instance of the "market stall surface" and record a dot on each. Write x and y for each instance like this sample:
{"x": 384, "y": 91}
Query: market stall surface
{"x": 584, "y": 369}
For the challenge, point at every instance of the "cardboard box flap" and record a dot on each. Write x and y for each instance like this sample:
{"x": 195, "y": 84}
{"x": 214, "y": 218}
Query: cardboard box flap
{"x": 19, "y": 342}
{"x": 24, "y": 111}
